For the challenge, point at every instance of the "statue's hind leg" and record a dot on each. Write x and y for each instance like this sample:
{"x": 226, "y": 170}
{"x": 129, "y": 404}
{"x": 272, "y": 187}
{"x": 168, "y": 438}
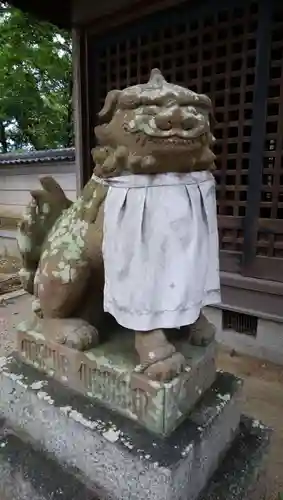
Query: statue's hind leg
{"x": 202, "y": 332}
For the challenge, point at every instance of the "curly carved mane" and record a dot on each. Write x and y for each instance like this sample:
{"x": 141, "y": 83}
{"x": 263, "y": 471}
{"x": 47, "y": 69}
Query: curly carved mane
{"x": 110, "y": 105}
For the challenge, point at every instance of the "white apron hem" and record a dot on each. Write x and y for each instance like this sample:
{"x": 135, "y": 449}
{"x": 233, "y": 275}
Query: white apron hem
{"x": 161, "y": 319}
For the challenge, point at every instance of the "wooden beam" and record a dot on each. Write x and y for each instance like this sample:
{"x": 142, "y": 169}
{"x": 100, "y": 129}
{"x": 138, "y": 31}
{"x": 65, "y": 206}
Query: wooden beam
{"x": 55, "y": 12}
{"x": 130, "y": 13}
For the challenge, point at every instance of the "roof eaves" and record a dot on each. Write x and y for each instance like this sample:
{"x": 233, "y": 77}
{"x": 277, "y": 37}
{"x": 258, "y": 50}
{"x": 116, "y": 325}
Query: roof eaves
{"x": 48, "y": 156}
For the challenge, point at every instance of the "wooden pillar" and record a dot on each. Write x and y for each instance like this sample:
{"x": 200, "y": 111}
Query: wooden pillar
{"x": 81, "y": 107}
{"x": 258, "y": 135}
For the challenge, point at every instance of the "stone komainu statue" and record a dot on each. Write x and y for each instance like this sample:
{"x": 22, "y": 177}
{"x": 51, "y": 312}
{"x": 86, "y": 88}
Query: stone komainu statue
{"x": 151, "y": 202}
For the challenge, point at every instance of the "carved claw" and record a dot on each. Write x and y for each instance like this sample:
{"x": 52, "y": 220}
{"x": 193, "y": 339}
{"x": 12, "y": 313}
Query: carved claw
{"x": 159, "y": 359}
{"x": 166, "y": 369}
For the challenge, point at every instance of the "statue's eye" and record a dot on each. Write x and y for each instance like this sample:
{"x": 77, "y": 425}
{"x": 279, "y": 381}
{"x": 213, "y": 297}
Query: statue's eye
{"x": 150, "y": 110}
{"x": 190, "y": 109}
{"x": 201, "y": 110}
{"x": 128, "y": 100}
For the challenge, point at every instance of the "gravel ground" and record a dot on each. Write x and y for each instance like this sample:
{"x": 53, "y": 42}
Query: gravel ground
{"x": 9, "y": 279}
{"x": 262, "y": 399}
{"x": 13, "y": 310}
{"x": 263, "y": 387}
{"x": 9, "y": 265}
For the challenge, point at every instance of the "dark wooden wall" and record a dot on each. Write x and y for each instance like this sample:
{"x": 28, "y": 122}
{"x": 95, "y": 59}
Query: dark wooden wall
{"x": 233, "y": 53}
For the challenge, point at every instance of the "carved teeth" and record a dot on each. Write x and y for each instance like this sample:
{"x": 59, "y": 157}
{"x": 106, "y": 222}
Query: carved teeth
{"x": 192, "y": 143}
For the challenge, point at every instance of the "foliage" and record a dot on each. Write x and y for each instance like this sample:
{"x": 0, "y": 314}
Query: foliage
{"x": 35, "y": 83}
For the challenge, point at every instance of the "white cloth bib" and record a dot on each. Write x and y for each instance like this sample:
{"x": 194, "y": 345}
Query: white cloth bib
{"x": 160, "y": 249}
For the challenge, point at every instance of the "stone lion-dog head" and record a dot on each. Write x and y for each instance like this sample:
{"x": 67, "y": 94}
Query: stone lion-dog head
{"x": 152, "y": 128}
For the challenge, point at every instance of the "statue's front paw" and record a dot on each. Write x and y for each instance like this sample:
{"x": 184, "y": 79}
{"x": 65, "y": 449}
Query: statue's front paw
{"x": 166, "y": 369}
{"x": 80, "y": 337}
{"x": 158, "y": 358}
{"x": 72, "y": 332}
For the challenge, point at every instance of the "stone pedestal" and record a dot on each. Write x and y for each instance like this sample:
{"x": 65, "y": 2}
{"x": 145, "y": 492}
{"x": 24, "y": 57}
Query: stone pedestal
{"x": 113, "y": 378}
{"x": 117, "y": 434}
{"x": 119, "y": 456}
{"x": 115, "y": 457}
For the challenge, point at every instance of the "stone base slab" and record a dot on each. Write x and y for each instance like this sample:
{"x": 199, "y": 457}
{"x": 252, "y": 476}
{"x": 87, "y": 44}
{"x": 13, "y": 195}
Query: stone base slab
{"x": 242, "y": 474}
{"x": 120, "y": 459}
{"x": 30, "y": 474}
{"x": 25, "y": 472}
{"x": 109, "y": 374}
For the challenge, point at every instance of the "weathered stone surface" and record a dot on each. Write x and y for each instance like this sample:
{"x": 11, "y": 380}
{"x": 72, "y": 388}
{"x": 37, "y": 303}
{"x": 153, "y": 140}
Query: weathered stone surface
{"x": 29, "y": 474}
{"x": 25, "y": 472}
{"x": 72, "y": 275}
{"x": 116, "y": 455}
{"x": 241, "y": 476}
{"x": 112, "y": 377}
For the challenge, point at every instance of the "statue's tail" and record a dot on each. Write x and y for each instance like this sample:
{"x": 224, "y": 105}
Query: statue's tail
{"x": 46, "y": 206}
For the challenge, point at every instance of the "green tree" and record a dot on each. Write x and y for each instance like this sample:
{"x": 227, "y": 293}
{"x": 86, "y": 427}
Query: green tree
{"x": 35, "y": 83}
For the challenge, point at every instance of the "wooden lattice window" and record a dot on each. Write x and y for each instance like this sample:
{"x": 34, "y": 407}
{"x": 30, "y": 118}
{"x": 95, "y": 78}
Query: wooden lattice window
{"x": 214, "y": 53}
{"x": 270, "y": 235}
{"x": 233, "y": 101}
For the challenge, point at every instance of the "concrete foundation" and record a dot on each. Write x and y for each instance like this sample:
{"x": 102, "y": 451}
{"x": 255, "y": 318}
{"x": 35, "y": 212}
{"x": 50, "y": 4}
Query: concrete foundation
{"x": 25, "y": 472}
{"x": 266, "y": 345}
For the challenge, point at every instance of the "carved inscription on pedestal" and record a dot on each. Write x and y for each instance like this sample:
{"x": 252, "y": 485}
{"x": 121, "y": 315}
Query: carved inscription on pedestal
{"x": 117, "y": 384}
{"x": 44, "y": 357}
{"x": 106, "y": 386}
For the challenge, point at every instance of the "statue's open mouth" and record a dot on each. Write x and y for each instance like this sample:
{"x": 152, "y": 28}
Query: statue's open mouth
{"x": 177, "y": 134}
{"x": 186, "y": 134}
{"x": 170, "y": 139}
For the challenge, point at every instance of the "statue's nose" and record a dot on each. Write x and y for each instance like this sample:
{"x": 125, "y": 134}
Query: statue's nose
{"x": 174, "y": 118}
{"x": 169, "y": 118}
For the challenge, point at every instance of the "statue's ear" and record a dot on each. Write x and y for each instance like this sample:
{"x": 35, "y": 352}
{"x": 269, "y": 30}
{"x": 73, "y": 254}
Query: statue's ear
{"x": 110, "y": 104}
